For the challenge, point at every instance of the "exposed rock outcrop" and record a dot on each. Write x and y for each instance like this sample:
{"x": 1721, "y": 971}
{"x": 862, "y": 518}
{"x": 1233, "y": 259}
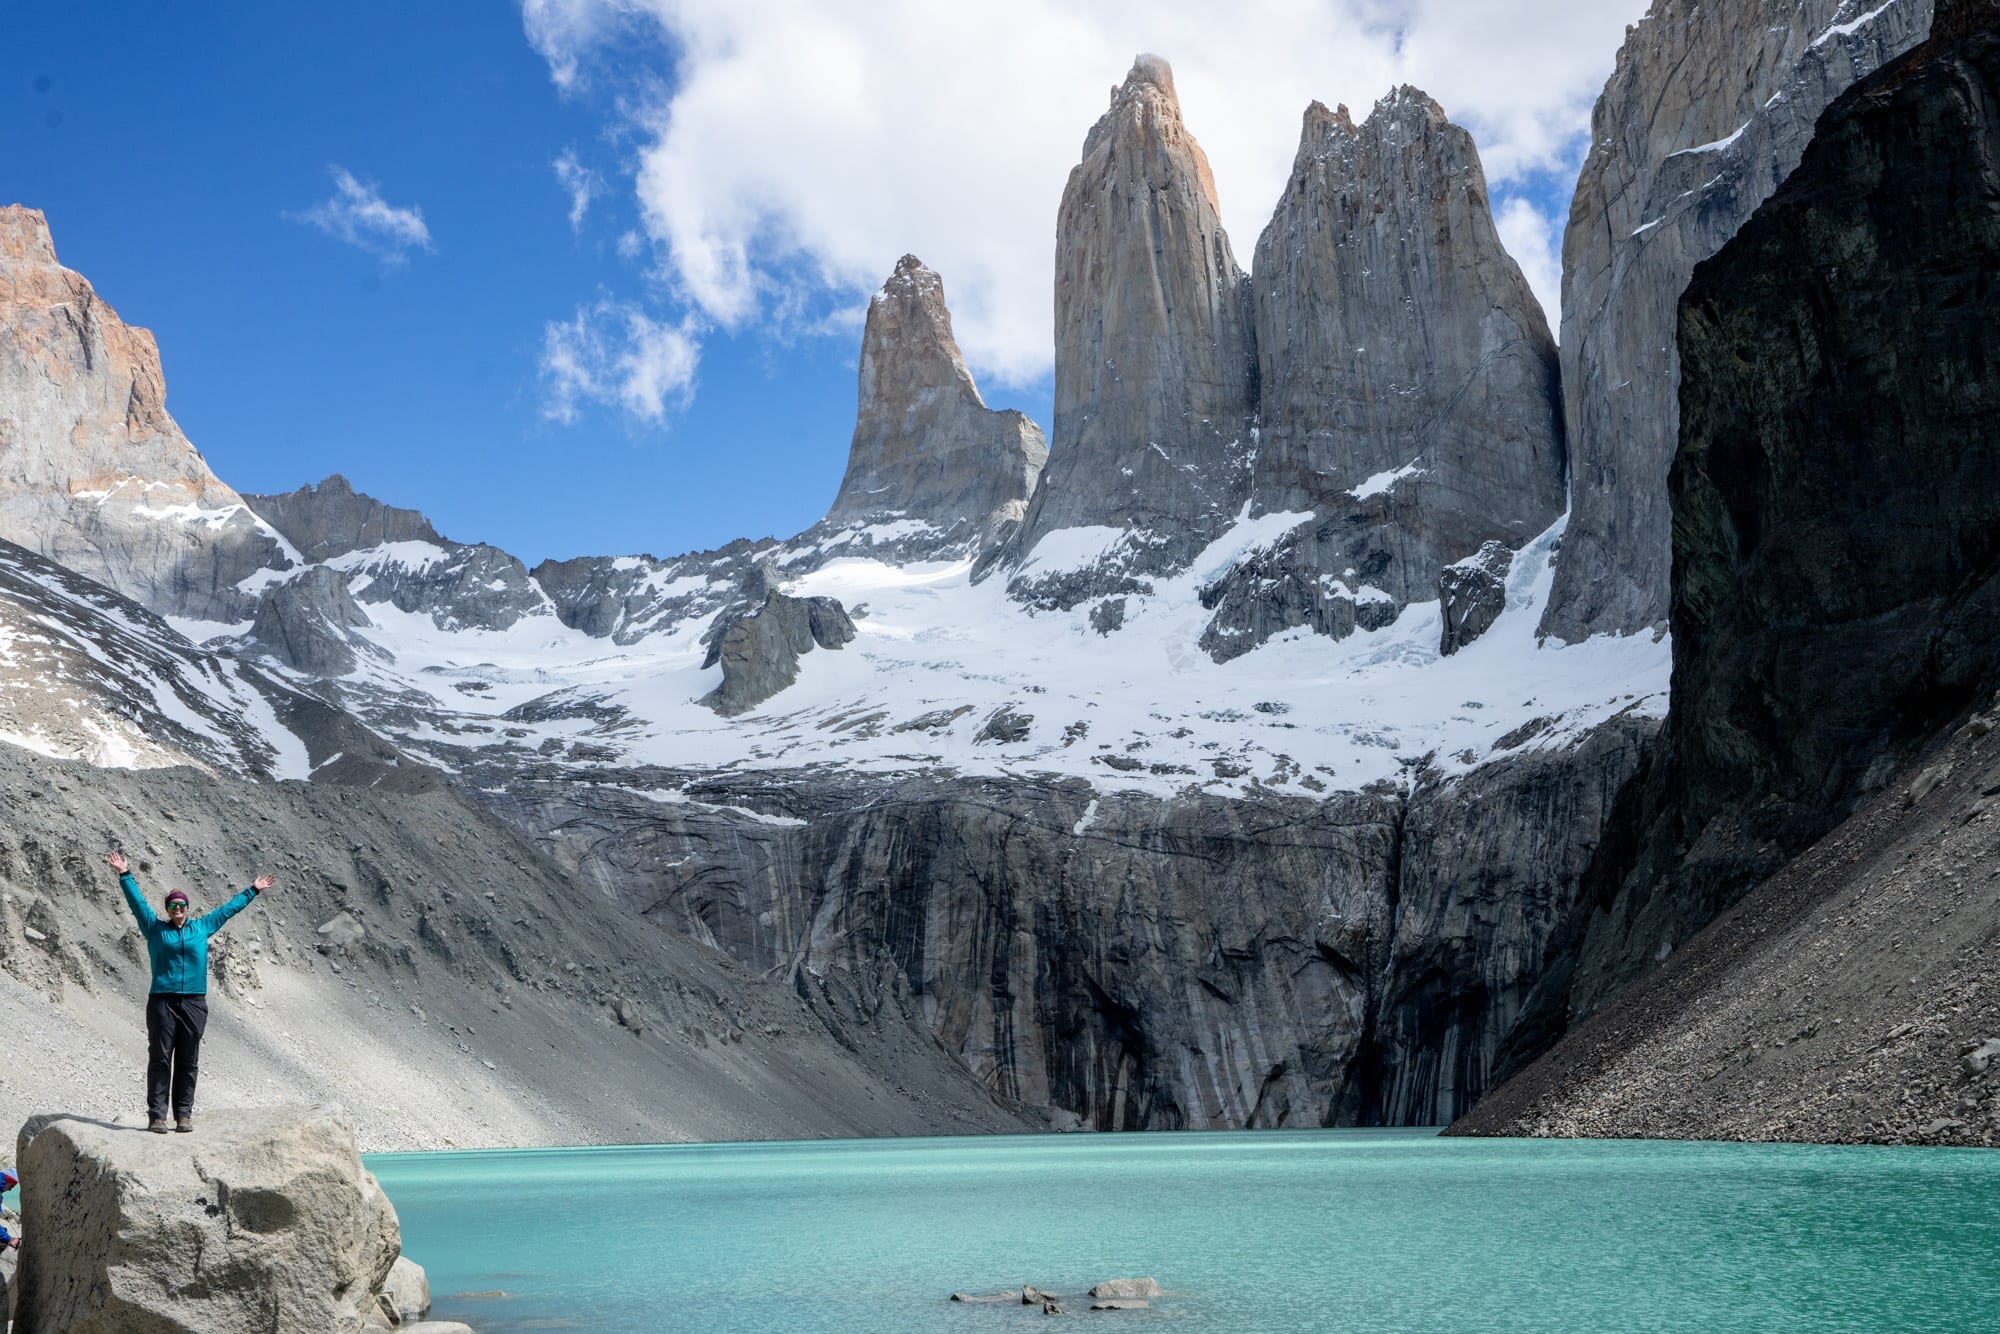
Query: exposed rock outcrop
{"x": 93, "y": 472}
{"x": 1836, "y": 505}
{"x": 267, "y": 1221}
{"x": 759, "y": 650}
{"x": 1471, "y": 595}
{"x": 1408, "y": 385}
{"x": 1156, "y": 363}
{"x": 927, "y": 450}
{"x": 332, "y": 519}
{"x": 304, "y": 623}
{"x": 399, "y": 559}
{"x": 1708, "y": 110}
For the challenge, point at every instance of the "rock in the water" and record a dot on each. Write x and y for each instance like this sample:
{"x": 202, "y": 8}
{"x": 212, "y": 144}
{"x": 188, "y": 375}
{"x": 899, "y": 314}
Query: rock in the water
{"x": 1127, "y": 1287}
{"x": 1120, "y": 1304}
{"x": 1408, "y": 385}
{"x": 1707, "y": 112}
{"x": 304, "y": 623}
{"x": 1011, "y": 1297}
{"x": 93, "y": 472}
{"x": 262, "y": 1220}
{"x": 1471, "y": 595}
{"x": 1156, "y": 363}
{"x": 759, "y": 651}
{"x": 406, "y": 1292}
{"x": 927, "y": 451}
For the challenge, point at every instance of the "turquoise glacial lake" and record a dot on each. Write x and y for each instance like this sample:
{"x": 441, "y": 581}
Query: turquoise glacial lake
{"x": 1265, "y": 1231}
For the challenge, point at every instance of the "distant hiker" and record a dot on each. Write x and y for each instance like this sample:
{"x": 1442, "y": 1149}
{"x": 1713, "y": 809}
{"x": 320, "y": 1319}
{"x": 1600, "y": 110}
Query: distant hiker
{"x": 7, "y": 1239}
{"x": 177, "y": 1009}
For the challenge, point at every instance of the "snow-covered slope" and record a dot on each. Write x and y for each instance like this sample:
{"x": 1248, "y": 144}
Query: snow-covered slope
{"x": 949, "y": 674}
{"x": 87, "y": 674}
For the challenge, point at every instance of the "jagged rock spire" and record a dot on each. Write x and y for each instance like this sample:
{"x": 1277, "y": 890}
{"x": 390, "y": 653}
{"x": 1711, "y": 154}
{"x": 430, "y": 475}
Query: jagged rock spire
{"x": 925, "y": 445}
{"x": 1408, "y": 384}
{"x": 1155, "y": 369}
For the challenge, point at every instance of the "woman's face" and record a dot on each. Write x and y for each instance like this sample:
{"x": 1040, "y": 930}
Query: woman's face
{"x": 177, "y": 913}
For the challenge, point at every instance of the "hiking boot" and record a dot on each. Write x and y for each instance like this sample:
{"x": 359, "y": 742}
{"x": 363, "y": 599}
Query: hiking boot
{"x": 157, "y": 1126}
{"x": 184, "y": 1125}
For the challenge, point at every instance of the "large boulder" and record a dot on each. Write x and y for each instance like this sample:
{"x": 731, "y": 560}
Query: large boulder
{"x": 262, "y": 1222}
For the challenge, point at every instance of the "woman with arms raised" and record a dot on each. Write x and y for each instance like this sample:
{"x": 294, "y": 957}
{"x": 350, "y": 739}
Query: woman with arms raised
{"x": 177, "y": 1009}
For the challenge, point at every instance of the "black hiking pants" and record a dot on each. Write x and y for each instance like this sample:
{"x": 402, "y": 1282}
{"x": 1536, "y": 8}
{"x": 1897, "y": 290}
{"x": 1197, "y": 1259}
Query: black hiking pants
{"x": 174, "y": 1025}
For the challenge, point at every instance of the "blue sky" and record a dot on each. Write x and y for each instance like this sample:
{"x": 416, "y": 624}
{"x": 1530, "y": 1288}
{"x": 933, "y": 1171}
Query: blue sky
{"x": 180, "y": 153}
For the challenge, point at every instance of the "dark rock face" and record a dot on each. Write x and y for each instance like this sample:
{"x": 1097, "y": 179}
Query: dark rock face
{"x": 926, "y": 447}
{"x": 1133, "y": 962}
{"x": 1396, "y": 341}
{"x": 1709, "y": 109}
{"x": 332, "y": 519}
{"x": 759, "y": 651}
{"x": 1156, "y": 365}
{"x": 304, "y": 622}
{"x": 1836, "y": 500}
{"x": 1471, "y": 595}
{"x": 1491, "y": 877}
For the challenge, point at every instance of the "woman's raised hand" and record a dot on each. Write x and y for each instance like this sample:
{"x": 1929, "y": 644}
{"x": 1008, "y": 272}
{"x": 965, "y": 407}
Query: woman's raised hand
{"x": 263, "y": 882}
{"x": 118, "y": 862}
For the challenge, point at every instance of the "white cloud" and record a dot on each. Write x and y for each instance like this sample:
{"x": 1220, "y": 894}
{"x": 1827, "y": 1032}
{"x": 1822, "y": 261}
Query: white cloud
{"x": 581, "y": 183}
{"x": 1531, "y": 238}
{"x": 798, "y": 150}
{"x": 358, "y": 215}
{"x": 615, "y": 354}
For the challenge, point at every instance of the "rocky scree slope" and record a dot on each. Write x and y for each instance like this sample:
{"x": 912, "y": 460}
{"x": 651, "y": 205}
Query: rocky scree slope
{"x": 420, "y": 963}
{"x": 1847, "y": 999}
{"x": 1837, "y": 572}
{"x": 1707, "y": 112}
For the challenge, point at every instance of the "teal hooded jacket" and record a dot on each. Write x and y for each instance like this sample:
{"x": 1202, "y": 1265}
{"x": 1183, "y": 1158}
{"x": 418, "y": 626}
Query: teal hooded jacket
{"x": 180, "y": 956}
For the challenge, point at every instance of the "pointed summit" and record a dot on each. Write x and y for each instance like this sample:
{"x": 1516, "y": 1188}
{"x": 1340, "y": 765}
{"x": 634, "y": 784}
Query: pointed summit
{"x": 1408, "y": 383}
{"x": 1156, "y": 369}
{"x": 93, "y": 472}
{"x": 926, "y": 447}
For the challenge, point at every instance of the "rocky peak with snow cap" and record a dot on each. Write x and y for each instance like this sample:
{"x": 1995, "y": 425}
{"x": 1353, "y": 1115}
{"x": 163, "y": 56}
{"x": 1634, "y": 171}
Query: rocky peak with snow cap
{"x": 1155, "y": 363}
{"x": 332, "y": 519}
{"x": 927, "y": 450}
{"x": 93, "y": 471}
{"x": 1408, "y": 385}
{"x": 1707, "y": 112}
